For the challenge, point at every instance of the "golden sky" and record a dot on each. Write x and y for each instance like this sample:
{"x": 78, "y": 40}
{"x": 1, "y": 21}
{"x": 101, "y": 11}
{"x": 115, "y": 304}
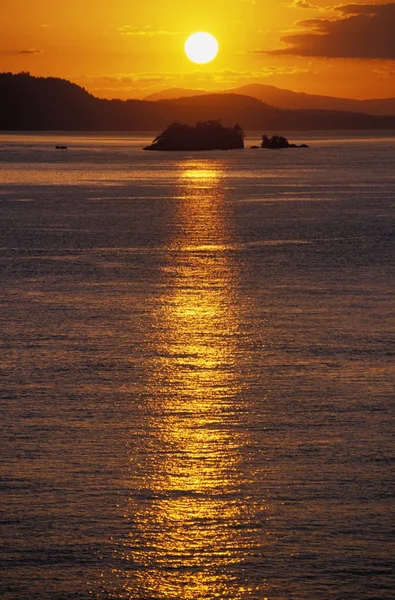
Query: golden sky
{"x": 130, "y": 48}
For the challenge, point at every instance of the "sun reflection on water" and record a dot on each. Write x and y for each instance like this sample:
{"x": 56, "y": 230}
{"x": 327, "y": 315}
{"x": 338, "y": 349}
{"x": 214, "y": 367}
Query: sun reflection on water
{"x": 191, "y": 529}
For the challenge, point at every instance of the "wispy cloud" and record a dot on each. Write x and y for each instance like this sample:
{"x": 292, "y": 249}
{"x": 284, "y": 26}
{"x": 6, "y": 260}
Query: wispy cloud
{"x": 15, "y": 52}
{"x": 30, "y": 51}
{"x": 145, "y": 31}
{"x": 132, "y": 83}
{"x": 386, "y": 71}
{"x": 304, "y": 4}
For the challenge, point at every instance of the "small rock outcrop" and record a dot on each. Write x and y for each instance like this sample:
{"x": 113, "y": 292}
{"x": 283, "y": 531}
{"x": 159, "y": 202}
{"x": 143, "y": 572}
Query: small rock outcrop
{"x": 207, "y": 135}
{"x": 278, "y": 141}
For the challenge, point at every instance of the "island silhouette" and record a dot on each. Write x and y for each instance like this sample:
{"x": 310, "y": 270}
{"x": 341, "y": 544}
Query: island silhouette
{"x": 206, "y": 135}
{"x": 211, "y": 135}
{"x": 276, "y": 142}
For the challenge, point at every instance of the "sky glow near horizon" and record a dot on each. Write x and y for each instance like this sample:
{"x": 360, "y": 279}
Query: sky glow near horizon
{"x": 118, "y": 49}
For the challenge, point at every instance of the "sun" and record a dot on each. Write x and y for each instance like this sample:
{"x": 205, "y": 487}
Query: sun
{"x": 201, "y": 47}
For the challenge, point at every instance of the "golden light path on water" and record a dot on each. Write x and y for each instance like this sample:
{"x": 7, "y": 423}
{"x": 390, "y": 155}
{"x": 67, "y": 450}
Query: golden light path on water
{"x": 192, "y": 530}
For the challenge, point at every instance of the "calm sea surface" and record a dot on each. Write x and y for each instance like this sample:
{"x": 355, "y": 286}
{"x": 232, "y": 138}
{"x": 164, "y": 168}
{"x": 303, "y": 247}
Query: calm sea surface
{"x": 197, "y": 370}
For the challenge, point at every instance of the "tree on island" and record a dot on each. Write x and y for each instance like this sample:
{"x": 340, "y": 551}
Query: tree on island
{"x": 206, "y": 135}
{"x": 278, "y": 141}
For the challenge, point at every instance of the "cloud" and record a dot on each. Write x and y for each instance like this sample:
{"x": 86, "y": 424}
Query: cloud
{"x": 130, "y": 83}
{"x": 30, "y": 51}
{"x": 12, "y": 52}
{"x": 145, "y": 31}
{"x": 386, "y": 70}
{"x": 356, "y": 31}
{"x": 303, "y": 4}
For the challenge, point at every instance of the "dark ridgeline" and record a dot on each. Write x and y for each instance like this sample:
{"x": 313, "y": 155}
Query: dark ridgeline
{"x": 282, "y": 98}
{"x": 208, "y": 135}
{"x": 36, "y": 103}
{"x": 49, "y": 104}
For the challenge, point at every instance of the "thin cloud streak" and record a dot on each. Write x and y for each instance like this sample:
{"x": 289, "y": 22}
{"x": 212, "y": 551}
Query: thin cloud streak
{"x": 28, "y": 51}
{"x": 146, "y": 31}
{"x": 31, "y": 51}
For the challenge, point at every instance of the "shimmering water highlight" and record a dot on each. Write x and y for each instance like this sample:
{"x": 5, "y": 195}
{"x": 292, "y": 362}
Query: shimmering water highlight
{"x": 197, "y": 370}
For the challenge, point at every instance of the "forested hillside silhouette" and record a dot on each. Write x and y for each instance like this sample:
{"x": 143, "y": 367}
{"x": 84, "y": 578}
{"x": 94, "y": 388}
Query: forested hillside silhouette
{"x": 30, "y": 103}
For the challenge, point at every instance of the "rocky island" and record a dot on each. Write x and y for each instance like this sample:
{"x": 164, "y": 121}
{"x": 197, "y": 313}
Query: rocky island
{"x": 207, "y": 135}
{"x": 211, "y": 135}
{"x": 278, "y": 141}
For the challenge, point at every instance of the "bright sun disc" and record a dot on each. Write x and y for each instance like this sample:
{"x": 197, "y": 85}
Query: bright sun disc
{"x": 201, "y": 47}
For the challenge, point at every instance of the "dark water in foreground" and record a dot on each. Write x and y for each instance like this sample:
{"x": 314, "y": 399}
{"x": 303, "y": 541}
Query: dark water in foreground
{"x": 198, "y": 371}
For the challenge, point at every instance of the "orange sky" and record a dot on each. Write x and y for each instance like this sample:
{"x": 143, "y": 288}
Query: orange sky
{"x": 125, "y": 48}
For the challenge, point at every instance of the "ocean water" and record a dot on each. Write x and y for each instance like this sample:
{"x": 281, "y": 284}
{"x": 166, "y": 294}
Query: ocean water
{"x": 197, "y": 370}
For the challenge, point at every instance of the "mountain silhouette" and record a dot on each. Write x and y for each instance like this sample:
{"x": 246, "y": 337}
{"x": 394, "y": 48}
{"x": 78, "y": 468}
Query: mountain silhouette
{"x": 174, "y": 93}
{"x": 30, "y": 103}
{"x": 282, "y": 98}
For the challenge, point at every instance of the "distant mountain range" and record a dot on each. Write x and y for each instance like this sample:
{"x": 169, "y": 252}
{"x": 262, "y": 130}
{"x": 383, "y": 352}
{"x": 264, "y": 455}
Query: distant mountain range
{"x": 288, "y": 99}
{"x": 30, "y": 103}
